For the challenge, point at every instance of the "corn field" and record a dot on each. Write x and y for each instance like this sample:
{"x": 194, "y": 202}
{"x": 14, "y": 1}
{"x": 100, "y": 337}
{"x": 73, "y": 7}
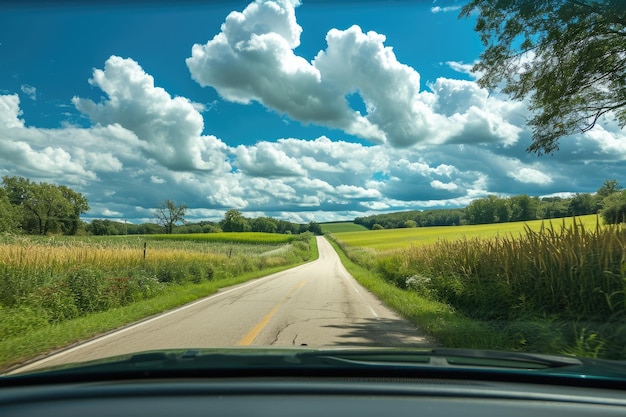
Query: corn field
{"x": 565, "y": 285}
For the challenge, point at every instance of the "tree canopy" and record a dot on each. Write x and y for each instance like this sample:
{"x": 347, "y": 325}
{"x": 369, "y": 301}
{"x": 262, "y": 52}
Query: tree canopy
{"x": 168, "y": 214}
{"x": 567, "y": 57}
{"x": 41, "y": 208}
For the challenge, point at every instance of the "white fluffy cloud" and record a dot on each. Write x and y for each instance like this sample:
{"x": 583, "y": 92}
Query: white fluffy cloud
{"x": 264, "y": 160}
{"x": 10, "y": 111}
{"x": 253, "y": 58}
{"x": 299, "y": 180}
{"x": 439, "y": 146}
{"x": 169, "y": 128}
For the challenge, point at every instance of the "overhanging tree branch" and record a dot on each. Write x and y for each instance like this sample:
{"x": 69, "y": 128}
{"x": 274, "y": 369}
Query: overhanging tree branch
{"x": 577, "y": 73}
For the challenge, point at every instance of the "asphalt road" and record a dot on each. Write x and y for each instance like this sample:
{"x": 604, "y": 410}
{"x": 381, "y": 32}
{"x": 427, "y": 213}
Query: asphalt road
{"x": 317, "y": 304}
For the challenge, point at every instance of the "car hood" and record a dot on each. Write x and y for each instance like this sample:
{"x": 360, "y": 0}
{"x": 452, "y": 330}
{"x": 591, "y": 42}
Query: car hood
{"x": 300, "y": 361}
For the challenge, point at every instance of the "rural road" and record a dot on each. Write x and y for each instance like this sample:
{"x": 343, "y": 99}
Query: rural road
{"x": 318, "y": 304}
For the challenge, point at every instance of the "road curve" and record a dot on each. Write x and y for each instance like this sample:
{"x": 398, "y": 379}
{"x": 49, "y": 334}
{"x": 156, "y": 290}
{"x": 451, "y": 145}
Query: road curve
{"x": 317, "y": 304}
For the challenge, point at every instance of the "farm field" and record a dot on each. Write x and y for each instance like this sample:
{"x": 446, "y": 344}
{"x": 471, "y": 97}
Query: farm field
{"x": 251, "y": 238}
{"x": 400, "y": 238}
{"x": 552, "y": 289}
{"x": 339, "y": 227}
{"x": 46, "y": 282}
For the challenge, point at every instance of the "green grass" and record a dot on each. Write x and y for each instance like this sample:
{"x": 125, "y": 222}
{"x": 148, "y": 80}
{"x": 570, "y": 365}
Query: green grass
{"x": 438, "y": 320}
{"x": 45, "y": 340}
{"x": 400, "y": 238}
{"x": 339, "y": 227}
{"x": 42, "y": 338}
{"x": 553, "y": 289}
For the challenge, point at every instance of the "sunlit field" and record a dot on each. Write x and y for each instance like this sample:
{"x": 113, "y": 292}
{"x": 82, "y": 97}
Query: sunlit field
{"x": 49, "y": 280}
{"x": 553, "y": 287}
{"x": 400, "y": 238}
{"x": 339, "y": 227}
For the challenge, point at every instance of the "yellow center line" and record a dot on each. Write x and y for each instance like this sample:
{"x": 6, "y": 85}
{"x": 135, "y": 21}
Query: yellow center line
{"x": 252, "y": 334}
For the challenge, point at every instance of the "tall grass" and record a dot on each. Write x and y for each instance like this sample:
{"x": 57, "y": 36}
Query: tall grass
{"x": 559, "y": 288}
{"x": 51, "y": 280}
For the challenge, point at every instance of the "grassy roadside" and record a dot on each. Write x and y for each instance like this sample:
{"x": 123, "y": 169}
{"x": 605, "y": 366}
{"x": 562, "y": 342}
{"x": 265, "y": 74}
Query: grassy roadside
{"x": 38, "y": 343}
{"x": 440, "y": 321}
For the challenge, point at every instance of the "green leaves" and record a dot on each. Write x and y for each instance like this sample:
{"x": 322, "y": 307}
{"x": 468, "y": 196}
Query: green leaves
{"x": 566, "y": 57}
{"x": 40, "y": 208}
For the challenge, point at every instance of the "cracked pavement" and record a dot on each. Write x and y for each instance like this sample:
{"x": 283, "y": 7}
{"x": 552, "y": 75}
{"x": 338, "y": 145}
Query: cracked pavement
{"x": 317, "y": 304}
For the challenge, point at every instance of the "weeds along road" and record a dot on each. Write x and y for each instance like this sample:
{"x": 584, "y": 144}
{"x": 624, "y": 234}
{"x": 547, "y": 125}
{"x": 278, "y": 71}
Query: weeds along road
{"x": 317, "y": 304}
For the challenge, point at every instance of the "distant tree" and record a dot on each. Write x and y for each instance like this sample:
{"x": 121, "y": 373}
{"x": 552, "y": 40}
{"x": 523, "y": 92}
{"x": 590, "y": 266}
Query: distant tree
{"x": 168, "y": 214}
{"x": 285, "y": 227}
{"x": 377, "y": 226}
{"x": 483, "y": 210}
{"x": 145, "y": 229}
{"x": 211, "y": 228}
{"x": 264, "y": 224}
{"x": 552, "y": 207}
{"x": 315, "y": 228}
{"x": 105, "y": 227}
{"x": 581, "y": 204}
{"x": 97, "y": 227}
{"x": 48, "y": 205}
{"x": 10, "y": 215}
{"x": 410, "y": 223}
{"x": 608, "y": 187}
{"x": 234, "y": 221}
{"x": 523, "y": 208}
{"x": 78, "y": 205}
{"x": 45, "y": 207}
{"x": 566, "y": 57}
{"x": 614, "y": 210}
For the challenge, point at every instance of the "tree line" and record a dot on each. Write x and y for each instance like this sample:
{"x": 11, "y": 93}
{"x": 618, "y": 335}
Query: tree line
{"x": 170, "y": 218}
{"x": 39, "y": 207}
{"x": 609, "y": 201}
{"x": 42, "y": 208}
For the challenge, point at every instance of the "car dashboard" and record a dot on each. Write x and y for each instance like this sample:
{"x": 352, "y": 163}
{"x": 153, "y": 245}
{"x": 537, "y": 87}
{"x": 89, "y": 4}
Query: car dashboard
{"x": 308, "y": 396}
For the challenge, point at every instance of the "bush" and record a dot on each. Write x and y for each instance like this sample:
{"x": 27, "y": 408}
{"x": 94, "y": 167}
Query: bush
{"x": 614, "y": 208}
{"x": 58, "y": 301}
{"x": 89, "y": 290}
{"x": 15, "y": 321}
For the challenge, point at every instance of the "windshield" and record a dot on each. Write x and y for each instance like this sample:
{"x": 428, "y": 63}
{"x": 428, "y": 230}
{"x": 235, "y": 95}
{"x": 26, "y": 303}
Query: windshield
{"x": 311, "y": 174}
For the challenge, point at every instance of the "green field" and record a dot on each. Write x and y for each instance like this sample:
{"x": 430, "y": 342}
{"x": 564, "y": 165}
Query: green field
{"x": 340, "y": 227}
{"x": 551, "y": 287}
{"x": 56, "y": 290}
{"x": 401, "y": 238}
{"x": 228, "y": 237}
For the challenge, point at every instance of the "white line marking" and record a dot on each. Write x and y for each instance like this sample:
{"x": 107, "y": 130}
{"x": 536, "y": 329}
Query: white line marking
{"x": 150, "y": 320}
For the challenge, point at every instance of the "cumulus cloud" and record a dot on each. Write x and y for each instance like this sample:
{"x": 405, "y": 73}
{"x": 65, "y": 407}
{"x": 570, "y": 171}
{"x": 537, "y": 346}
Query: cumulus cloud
{"x": 295, "y": 179}
{"x": 168, "y": 128}
{"x": 253, "y": 59}
{"x": 531, "y": 176}
{"x": 10, "y": 111}
{"x": 439, "y": 145}
{"x": 264, "y": 160}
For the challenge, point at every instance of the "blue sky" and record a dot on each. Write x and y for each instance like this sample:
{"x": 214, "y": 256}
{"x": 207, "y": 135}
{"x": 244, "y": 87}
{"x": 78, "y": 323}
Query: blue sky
{"x": 314, "y": 111}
